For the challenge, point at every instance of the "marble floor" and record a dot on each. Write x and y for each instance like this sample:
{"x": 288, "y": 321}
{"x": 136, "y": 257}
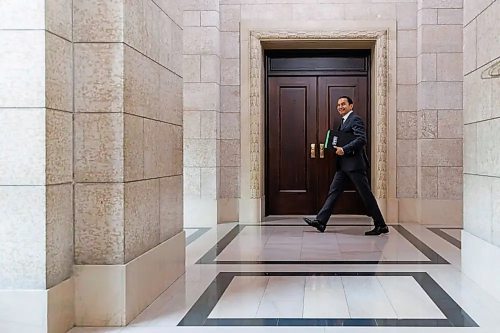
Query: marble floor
{"x": 283, "y": 276}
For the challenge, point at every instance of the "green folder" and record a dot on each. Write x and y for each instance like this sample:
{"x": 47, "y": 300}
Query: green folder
{"x": 328, "y": 140}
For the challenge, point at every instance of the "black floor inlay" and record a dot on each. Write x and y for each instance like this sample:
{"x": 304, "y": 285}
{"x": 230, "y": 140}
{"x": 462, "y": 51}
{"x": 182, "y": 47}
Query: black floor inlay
{"x": 211, "y": 256}
{"x": 197, "y": 234}
{"x": 199, "y": 312}
{"x": 449, "y": 238}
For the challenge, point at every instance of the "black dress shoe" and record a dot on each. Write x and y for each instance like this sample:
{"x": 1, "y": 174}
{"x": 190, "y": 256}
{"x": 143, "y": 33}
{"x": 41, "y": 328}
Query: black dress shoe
{"x": 315, "y": 223}
{"x": 377, "y": 231}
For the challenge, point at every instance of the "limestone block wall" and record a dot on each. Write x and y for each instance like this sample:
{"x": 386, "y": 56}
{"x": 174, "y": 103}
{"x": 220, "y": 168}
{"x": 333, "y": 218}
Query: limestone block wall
{"x": 129, "y": 242}
{"x": 36, "y": 105}
{"x": 482, "y": 119}
{"x": 429, "y": 107}
{"x": 128, "y": 128}
{"x": 436, "y": 147}
{"x": 202, "y": 116}
{"x": 403, "y": 12}
{"x": 36, "y": 164}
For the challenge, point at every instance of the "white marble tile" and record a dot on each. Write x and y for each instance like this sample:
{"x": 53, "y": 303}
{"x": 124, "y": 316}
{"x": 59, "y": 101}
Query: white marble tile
{"x": 313, "y": 296}
{"x": 366, "y": 298}
{"x": 273, "y": 252}
{"x": 477, "y": 300}
{"x": 438, "y": 244}
{"x": 227, "y": 329}
{"x": 169, "y": 308}
{"x": 279, "y": 309}
{"x": 242, "y": 298}
{"x": 283, "y": 297}
{"x": 408, "y": 298}
{"x": 325, "y": 298}
{"x": 96, "y": 330}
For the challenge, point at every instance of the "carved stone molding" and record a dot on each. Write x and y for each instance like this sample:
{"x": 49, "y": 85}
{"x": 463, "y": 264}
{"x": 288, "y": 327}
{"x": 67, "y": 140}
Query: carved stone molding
{"x": 379, "y": 37}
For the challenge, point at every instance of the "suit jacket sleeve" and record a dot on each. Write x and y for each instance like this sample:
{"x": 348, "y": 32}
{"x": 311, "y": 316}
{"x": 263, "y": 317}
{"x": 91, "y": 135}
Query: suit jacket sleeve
{"x": 358, "y": 128}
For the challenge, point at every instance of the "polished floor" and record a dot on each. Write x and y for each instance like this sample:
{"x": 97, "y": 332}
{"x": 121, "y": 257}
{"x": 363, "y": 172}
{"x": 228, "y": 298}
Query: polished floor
{"x": 283, "y": 276}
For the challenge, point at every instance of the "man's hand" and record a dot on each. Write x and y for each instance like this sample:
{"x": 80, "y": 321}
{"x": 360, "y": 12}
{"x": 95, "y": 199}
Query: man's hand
{"x": 339, "y": 151}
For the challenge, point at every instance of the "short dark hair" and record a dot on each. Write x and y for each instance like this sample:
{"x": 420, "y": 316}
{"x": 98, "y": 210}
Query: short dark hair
{"x": 349, "y": 99}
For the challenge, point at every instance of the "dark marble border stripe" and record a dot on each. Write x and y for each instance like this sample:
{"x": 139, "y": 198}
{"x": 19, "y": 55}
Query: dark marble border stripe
{"x": 421, "y": 246}
{"x": 211, "y": 256}
{"x": 304, "y": 225}
{"x": 199, "y": 312}
{"x": 447, "y": 237}
{"x": 197, "y": 234}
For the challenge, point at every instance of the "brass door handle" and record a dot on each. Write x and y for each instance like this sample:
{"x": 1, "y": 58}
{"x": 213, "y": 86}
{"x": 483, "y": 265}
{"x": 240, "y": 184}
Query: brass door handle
{"x": 321, "y": 150}
{"x": 313, "y": 150}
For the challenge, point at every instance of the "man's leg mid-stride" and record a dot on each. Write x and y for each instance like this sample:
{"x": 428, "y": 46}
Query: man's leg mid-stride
{"x": 336, "y": 188}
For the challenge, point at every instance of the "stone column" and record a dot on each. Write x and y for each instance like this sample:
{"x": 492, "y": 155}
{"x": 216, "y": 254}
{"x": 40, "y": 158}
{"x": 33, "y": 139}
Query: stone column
{"x": 406, "y": 116}
{"x": 481, "y": 149}
{"x": 129, "y": 242}
{"x": 36, "y": 191}
{"x": 202, "y": 135}
{"x": 230, "y": 156}
{"x": 439, "y": 112}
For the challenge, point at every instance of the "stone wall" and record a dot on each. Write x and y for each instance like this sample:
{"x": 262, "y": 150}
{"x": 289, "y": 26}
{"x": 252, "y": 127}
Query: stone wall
{"x": 36, "y": 105}
{"x": 481, "y": 150}
{"x": 36, "y": 155}
{"x": 90, "y": 158}
{"x": 482, "y": 119}
{"x": 128, "y": 152}
{"x": 128, "y": 129}
{"x": 431, "y": 160}
{"x": 202, "y": 116}
{"x": 428, "y": 95}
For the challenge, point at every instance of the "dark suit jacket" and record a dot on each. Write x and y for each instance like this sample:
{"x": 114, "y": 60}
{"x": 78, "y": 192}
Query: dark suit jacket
{"x": 354, "y": 157}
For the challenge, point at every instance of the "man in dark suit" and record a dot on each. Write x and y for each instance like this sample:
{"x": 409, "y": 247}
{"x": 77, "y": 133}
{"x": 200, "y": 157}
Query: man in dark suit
{"x": 352, "y": 163}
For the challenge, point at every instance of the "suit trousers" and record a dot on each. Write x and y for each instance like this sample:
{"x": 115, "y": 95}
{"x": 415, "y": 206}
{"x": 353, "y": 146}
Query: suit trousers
{"x": 360, "y": 181}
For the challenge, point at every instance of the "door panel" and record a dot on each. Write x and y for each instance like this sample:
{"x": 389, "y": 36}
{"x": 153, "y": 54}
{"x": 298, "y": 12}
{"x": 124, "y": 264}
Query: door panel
{"x": 291, "y": 173}
{"x": 329, "y": 90}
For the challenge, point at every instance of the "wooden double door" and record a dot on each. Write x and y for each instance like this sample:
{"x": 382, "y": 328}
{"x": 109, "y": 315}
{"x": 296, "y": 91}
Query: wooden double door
{"x": 300, "y": 110}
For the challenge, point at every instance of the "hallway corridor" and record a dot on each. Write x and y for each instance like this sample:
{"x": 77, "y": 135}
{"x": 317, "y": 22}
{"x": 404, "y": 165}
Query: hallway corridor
{"x": 282, "y": 276}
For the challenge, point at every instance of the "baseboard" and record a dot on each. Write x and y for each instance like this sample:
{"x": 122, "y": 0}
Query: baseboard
{"x": 228, "y": 210}
{"x": 408, "y": 210}
{"x": 428, "y": 211}
{"x": 443, "y": 212}
{"x": 113, "y": 295}
{"x": 480, "y": 263}
{"x": 38, "y": 311}
{"x": 251, "y": 210}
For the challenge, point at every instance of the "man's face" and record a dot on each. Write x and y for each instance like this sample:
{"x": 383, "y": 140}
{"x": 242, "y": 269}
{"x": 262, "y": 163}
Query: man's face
{"x": 343, "y": 106}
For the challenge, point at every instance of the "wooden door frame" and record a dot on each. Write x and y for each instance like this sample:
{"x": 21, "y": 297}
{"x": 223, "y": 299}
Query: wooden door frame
{"x": 254, "y": 39}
